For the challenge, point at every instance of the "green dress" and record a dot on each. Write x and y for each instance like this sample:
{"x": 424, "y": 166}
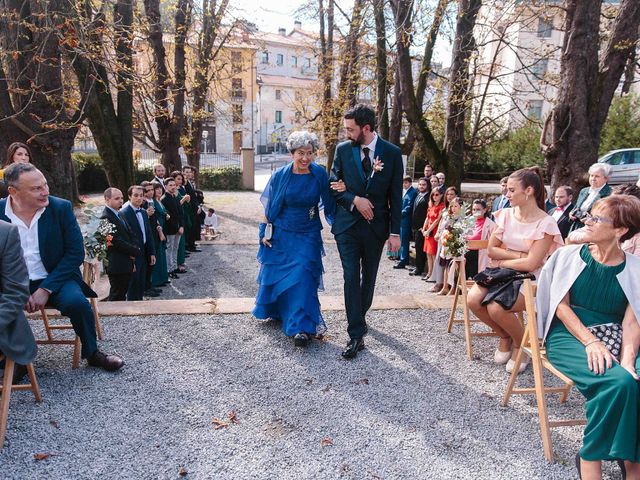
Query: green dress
{"x": 159, "y": 274}
{"x": 613, "y": 399}
{"x": 187, "y": 225}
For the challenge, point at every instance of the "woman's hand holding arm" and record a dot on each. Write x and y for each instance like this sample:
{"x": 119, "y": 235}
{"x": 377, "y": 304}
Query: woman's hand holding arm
{"x": 533, "y": 259}
{"x": 630, "y": 342}
{"x": 497, "y": 251}
{"x": 598, "y": 357}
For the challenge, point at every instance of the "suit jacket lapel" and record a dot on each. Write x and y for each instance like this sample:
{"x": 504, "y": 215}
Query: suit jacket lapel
{"x": 358, "y": 161}
{"x": 44, "y": 228}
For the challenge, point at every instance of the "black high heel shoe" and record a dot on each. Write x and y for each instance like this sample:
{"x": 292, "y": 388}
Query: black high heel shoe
{"x": 623, "y": 469}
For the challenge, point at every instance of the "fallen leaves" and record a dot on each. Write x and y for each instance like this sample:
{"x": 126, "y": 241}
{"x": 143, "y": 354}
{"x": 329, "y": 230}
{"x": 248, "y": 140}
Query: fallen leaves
{"x": 326, "y": 442}
{"x": 53, "y": 423}
{"x": 326, "y": 389}
{"x": 183, "y": 472}
{"x": 232, "y": 418}
{"x": 42, "y": 456}
{"x": 362, "y": 381}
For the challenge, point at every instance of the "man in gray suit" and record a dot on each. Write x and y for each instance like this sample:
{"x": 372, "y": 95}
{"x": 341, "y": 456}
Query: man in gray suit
{"x": 16, "y": 338}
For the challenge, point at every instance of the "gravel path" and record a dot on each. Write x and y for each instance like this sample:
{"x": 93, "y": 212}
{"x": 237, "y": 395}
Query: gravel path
{"x": 409, "y": 407}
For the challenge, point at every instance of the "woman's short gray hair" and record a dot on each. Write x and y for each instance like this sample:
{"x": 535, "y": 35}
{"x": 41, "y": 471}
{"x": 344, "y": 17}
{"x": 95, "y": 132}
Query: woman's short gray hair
{"x": 605, "y": 168}
{"x": 302, "y": 139}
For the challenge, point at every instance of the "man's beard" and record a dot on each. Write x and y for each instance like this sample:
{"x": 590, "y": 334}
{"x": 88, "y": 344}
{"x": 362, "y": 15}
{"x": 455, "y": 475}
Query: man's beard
{"x": 358, "y": 141}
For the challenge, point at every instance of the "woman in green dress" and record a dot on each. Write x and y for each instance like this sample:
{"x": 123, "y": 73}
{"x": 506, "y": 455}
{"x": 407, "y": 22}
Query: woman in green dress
{"x": 184, "y": 199}
{"x": 588, "y": 309}
{"x": 159, "y": 274}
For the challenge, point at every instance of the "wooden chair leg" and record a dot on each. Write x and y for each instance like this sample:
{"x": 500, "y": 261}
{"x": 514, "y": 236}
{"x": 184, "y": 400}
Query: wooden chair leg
{"x": 35, "y": 387}
{"x": 6, "y": 397}
{"x": 75, "y": 362}
{"x": 96, "y": 317}
{"x": 452, "y": 315}
{"x": 47, "y": 328}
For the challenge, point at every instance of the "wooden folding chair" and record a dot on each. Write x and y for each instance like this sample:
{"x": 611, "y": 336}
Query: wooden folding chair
{"x": 461, "y": 289}
{"x": 88, "y": 275}
{"x": 6, "y": 389}
{"x": 533, "y": 347}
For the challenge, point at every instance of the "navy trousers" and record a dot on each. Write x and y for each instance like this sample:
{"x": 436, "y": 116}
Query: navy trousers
{"x": 405, "y": 238}
{"x": 360, "y": 250}
{"x": 138, "y": 279}
{"x": 73, "y": 304}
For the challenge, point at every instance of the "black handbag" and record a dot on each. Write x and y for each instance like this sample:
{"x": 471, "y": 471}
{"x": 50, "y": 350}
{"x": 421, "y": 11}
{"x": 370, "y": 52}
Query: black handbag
{"x": 611, "y": 335}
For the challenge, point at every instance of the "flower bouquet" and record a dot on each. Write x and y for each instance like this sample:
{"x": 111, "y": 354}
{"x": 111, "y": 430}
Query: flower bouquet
{"x": 454, "y": 238}
{"x": 97, "y": 234}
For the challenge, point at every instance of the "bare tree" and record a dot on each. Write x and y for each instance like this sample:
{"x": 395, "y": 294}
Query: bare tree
{"x": 572, "y": 132}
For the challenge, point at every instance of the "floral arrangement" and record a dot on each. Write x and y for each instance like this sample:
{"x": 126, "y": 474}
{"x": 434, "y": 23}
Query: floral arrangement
{"x": 97, "y": 234}
{"x": 454, "y": 238}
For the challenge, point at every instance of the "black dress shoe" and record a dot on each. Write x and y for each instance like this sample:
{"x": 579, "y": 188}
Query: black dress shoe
{"x": 110, "y": 363}
{"x": 399, "y": 266}
{"x": 173, "y": 275}
{"x": 353, "y": 347}
{"x": 301, "y": 339}
{"x": 416, "y": 273}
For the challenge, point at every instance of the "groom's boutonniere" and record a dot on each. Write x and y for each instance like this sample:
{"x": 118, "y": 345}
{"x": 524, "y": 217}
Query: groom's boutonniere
{"x": 378, "y": 165}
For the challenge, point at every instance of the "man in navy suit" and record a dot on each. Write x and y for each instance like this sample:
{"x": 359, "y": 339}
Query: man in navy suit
{"x": 53, "y": 251}
{"x": 122, "y": 251}
{"x": 368, "y": 213}
{"x": 405, "y": 224}
{"x": 564, "y": 205}
{"x": 501, "y": 201}
{"x": 138, "y": 221}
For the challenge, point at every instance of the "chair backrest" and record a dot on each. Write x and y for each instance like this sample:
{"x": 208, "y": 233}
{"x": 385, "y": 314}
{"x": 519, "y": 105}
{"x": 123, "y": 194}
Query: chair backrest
{"x": 529, "y": 291}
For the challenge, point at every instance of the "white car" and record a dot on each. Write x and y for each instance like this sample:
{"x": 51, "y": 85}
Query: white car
{"x": 625, "y": 165}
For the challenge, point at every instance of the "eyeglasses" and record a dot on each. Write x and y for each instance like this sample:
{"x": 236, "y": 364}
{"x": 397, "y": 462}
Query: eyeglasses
{"x": 596, "y": 219}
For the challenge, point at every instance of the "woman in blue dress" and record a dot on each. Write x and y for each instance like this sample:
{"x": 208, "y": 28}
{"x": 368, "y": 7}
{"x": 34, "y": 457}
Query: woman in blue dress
{"x": 290, "y": 252}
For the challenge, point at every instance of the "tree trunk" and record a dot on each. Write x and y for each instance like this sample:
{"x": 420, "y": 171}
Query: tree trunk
{"x": 111, "y": 126}
{"x": 382, "y": 84}
{"x": 395, "y": 127}
{"x": 463, "y": 47}
{"x": 33, "y": 96}
{"x": 572, "y": 132}
{"x": 403, "y": 14}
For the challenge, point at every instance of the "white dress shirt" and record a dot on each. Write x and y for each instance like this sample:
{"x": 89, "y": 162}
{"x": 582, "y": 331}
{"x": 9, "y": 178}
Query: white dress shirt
{"x": 29, "y": 242}
{"x": 372, "y": 149}
{"x": 593, "y": 193}
{"x": 558, "y": 211}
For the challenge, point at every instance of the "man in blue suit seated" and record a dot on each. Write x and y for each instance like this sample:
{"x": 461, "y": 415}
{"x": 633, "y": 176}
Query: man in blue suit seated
{"x": 368, "y": 213}
{"x": 405, "y": 223}
{"x": 53, "y": 251}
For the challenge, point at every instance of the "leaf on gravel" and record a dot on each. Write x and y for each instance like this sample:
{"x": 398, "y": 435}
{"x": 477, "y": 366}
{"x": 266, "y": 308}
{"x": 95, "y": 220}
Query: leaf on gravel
{"x": 326, "y": 442}
{"x": 308, "y": 381}
{"x": 326, "y": 389}
{"x": 362, "y": 381}
{"x": 218, "y": 424}
{"x": 53, "y": 423}
{"x": 42, "y": 456}
{"x": 183, "y": 472}
{"x": 233, "y": 417}
{"x": 375, "y": 476}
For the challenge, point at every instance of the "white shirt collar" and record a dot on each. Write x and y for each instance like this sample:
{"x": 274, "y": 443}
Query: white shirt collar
{"x": 595, "y": 190}
{"x": 372, "y": 145}
{"x": 8, "y": 211}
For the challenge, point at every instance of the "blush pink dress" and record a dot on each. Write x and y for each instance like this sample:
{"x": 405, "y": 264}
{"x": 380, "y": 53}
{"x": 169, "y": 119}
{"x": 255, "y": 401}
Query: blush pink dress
{"x": 519, "y": 236}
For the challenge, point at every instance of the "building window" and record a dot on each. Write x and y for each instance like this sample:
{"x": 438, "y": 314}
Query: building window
{"x": 540, "y": 68}
{"x": 278, "y": 94}
{"x": 278, "y": 116}
{"x": 236, "y": 88}
{"x": 545, "y": 27}
{"x": 298, "y": 117}
{"x": 265, "y": 57}
{"x": 279, "y": 59}
{"x": 236, "y": 62}
{"x": 294, "y": 61}
{"x": 307, "y": 63}
{"x": 237, "y": 113}
{"x": 535, "y": 110}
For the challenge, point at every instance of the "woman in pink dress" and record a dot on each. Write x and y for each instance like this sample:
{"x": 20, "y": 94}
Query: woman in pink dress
{"x": 524, "y": 238}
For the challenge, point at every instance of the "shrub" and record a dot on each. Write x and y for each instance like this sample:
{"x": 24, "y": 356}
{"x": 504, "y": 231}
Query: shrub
{"x": 223, "y": 178}
{"x": 622, "y": 128}
{"x": 89, "y": 172}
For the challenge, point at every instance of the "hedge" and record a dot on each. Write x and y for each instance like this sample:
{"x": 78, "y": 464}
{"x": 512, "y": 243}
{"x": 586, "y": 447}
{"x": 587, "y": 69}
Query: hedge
{"x": 92, "y": 178}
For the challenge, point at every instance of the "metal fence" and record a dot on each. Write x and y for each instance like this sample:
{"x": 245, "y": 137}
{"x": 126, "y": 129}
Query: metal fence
{"x": 148, "y": 158}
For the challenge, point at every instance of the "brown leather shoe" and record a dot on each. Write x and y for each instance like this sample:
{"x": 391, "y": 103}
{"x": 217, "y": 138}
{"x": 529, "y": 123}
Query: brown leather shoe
{"x": 110, "y": 363}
